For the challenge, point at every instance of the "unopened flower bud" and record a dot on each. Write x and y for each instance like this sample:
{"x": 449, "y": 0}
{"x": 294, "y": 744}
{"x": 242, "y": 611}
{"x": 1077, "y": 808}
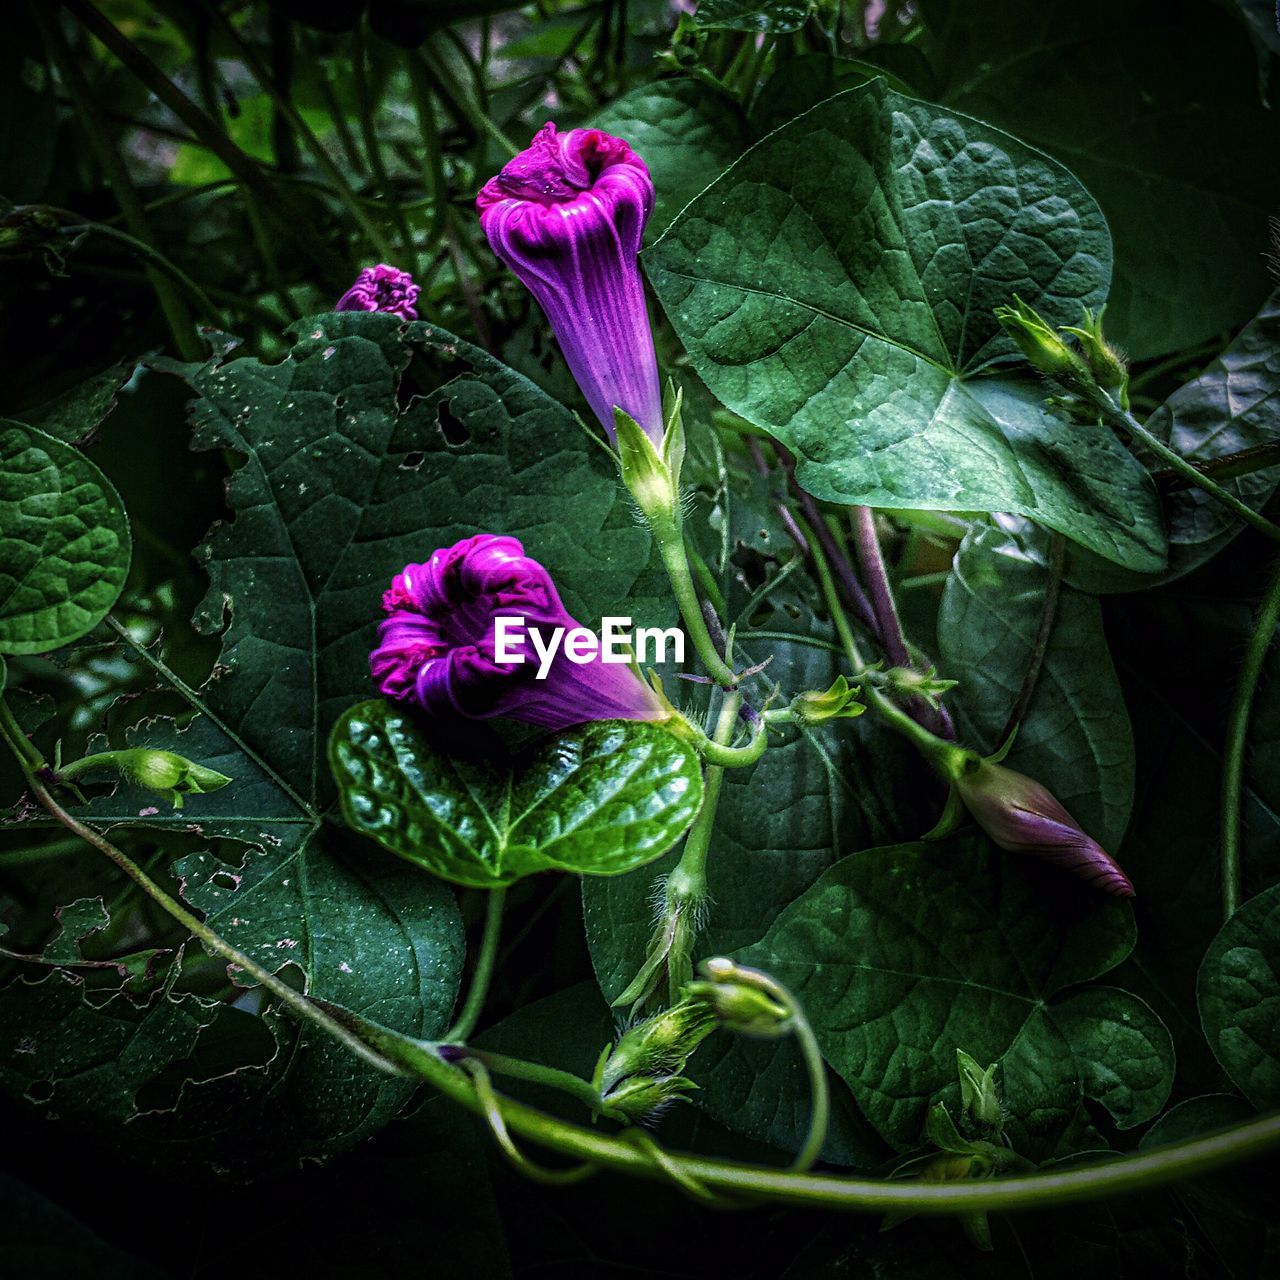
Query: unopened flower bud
{"x": 658, "y": 1046}
{"x": 979, "y": 1096}
{"x": 1022, "y": 816}
{"x": 908, "y": 683}
{"x": 1105, "y": 363}
{"x": 741, "y": 1000}
{"x": 838, "y": 702}
{"x": 1039, "y": 342}
{"x": 382, "y": 288}
{"x": 164, "y": 772}
{"x": 642, "y": 1099}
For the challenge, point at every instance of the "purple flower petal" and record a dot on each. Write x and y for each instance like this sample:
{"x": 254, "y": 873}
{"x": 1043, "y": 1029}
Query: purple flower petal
{"x": 437, "y": 647}
{"x": 567, "y": 216}
{"x": 1022, "y": 816}
{"x": 382, "y": 288}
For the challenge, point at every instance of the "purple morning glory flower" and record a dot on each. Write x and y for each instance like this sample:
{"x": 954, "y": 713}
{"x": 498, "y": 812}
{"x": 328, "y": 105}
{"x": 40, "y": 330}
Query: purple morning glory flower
{"x": 567, "y": 216}
{"x": 439, "y": 644}
{"x": 1022, "y": 816}
{"x": 382, "y": 288}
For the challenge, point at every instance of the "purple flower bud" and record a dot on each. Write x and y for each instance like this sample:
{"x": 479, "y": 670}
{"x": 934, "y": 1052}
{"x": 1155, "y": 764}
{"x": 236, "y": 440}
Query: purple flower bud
{"x": 382, "y": 288}
{"x": 1022, "y": 816}
{"x": 567, "y": 216}
{"x": 438, "y": 646}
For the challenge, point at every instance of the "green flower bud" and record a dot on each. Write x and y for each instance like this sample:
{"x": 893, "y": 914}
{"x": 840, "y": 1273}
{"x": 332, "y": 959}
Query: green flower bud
{"x": 642, "y": 1099}
{"x": 1105, "y": 363}
{"x": 658, "y": 1046}
{"x": 165, "y": 773}
{"x": 739, "y": 1000}
{"x": 979, "y": 1097}
{"x": 909, "y": 683}
{"x": 1038, "y": 341}
{"x": 839, "y": 702}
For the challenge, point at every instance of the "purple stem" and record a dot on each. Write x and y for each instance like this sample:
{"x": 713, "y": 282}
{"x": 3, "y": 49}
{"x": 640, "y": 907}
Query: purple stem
{"x": 871, "y": 561}
{"x": 892, "y": 639}
{"x": 846, "y": 579}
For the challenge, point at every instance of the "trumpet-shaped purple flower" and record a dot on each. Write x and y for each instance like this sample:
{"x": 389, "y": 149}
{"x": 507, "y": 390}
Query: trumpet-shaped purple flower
{"x": 1022, "y": 816}
{"x": 438, "y": 645}
{"x": 382, "y": 288}
{"x": 567, "y": 216}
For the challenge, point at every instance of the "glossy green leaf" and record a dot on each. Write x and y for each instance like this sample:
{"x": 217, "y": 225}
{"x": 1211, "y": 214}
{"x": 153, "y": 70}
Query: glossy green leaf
{"x": 902, "y": 955}
{"x": 1156, "y": 110}
{"x": 600, "y": 799}
{"x": 837, "y": 288}
{"x": 64, "y": 542}
{"x": 1075, "y": 737}
{"x": 686, "y": 132}
{"x": 1239, "y": 994}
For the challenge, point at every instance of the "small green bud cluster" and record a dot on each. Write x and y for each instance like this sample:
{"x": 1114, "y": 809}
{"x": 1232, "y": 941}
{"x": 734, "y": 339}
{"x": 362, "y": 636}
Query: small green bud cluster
{"x": 642, "y": 1074}
{"x": 1090, "y": 366}
{"x": 906, "y": 682}
{"x": 956, "y": 1157}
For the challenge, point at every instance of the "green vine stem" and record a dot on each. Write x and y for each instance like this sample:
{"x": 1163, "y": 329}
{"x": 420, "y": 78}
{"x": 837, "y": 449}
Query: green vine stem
{"x": 1237, "y": 731}
{"x": 676, "y": 561}
{"x": 402, "y": 1055}
{"x": 185, "y": 338}
{"x": 342, "y": 189}
{"x": 1194, "y": 477}
{"x": 467, "y": 1020}
{"x": 207, "y": 132}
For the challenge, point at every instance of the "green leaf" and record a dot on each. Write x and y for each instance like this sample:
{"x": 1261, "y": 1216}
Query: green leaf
{"x": 752, "y": 15}
{"x": 685, "y": 131}
{"x": 1233, "y": 405}
{"x": 901, "y": 955}
{"x": 1155, "y": 108}
{"x": 76, "y": 414}
{"x": 1239, "y": 994}
{"x": 600, "y": 799}
{"x": 837, "y": 288}
{"x": 804, "y": 81}
{"x": 1123, "y": 1049}
{"x": 1075, "y": 737}
{"x": 64, "y": 542}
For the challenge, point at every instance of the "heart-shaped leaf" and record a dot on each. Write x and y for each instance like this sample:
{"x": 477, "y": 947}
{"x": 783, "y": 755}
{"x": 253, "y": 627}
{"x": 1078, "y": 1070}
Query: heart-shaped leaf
{"x": 64, "y": 542}
{"x": 600, "y": 799}
{"x": 837, "y": 287}
{"x": 899, "y": 954}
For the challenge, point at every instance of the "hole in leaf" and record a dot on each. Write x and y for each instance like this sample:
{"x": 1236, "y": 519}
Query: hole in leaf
{"x": 456, "y": 432}
{"x": 40, "y": 1091}
{"x": 412, "y": 461}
